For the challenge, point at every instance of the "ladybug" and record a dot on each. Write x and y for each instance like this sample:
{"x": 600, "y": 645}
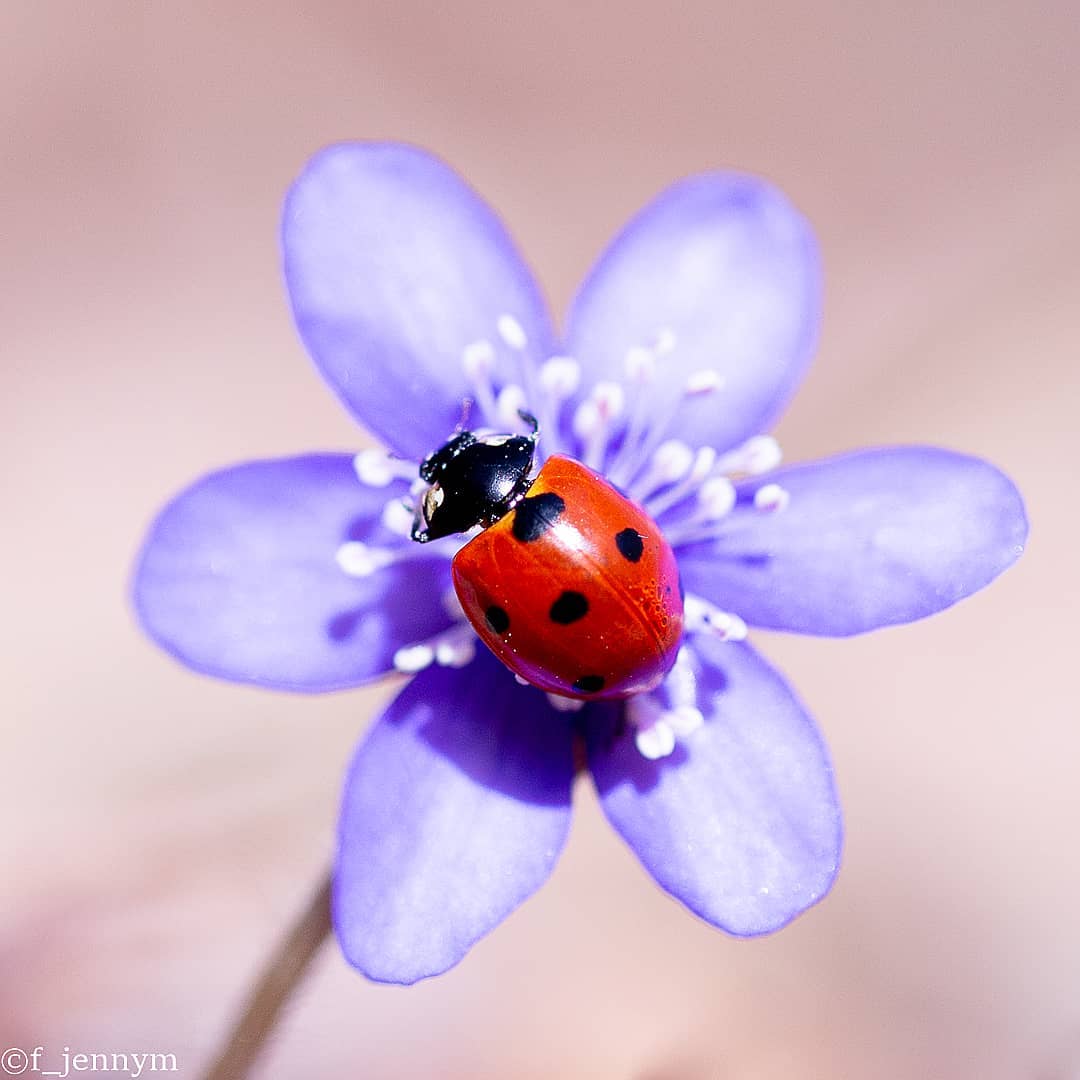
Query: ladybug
{"x": 571, "y": 585}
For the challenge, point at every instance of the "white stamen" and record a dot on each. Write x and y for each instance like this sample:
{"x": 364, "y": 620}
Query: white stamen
{"x": 511, "y": 331}
{"x": 456, "y": 647}
{"x": 771, "y": 498}
{"x": 560, "y": 377}
{"x": 510, "y": 401}
{"x": 671, "y": 462}
{"x": 701, "y": 617}
{"x": 684, "y": 720}
{"x": 658, "y": 726}
{"x": 593, "y": 418}
{"x": 681, "y": 681}
{"x": 640, "y": 365}
{"x": 413, "y": 658}
{"x": 665, "y": 341}
{"x": 520, "y": 681}
{"x": 565, "y": 704}
{"x": 759, "y": 454}
{"x": 398, "y": 518}
{"x": 716, "y": 497}
{"x": 478, "y": 358}
{"x": 663, "y": 414}
{"x": 705, "y": 381}
{"x": 700, "y": 468}
{"x": 610, "y": 399}
{"x": 655, "y": 741}
{"x": 360, "y": 560}
{"x": 376, "y": 468}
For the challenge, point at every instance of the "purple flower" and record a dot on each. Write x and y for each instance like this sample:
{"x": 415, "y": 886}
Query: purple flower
{"x": 681, "y": 347}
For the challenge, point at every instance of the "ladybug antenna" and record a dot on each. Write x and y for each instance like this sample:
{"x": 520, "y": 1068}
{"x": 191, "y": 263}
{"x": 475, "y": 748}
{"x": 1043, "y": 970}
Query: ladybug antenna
{"x": 532, "y": 422}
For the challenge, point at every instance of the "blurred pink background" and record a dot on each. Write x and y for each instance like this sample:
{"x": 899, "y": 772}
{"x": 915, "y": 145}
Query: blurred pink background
{"x": 161, "y": 828}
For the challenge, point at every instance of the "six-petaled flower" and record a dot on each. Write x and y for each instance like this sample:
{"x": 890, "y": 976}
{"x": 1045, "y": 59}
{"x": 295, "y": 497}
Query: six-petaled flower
{"x": 682, "y": 345}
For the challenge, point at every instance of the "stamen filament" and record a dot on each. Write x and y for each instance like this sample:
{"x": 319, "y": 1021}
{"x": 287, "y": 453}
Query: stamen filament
{"x": 593, "y": 419}
{"x": 759, "y": 454}
{"x": 663, "y": 412}
{"x": 700, "y": 468}
{"x": 478, "y": 360}
{"x": 640, "y": 367}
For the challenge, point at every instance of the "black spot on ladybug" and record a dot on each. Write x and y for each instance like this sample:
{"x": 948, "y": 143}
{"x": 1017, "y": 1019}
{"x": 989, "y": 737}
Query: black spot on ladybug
{"x": 536, "y": 514}
{"x": 570, "y": 607}
{"x": 497, "y": 619}
{"x": 629, "y": 544}
{"x": 589, "y": 684}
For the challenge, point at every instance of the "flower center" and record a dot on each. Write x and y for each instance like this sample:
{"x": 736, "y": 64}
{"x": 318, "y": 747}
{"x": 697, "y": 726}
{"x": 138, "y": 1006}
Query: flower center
{"x": 618, "y": 429}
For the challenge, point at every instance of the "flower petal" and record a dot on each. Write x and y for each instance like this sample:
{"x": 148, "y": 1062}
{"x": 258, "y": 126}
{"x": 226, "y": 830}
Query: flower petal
{"x": 394, "y": 265}
{"x": 455, "y": 810}
{"x": 741, "y": 823}
{"x": 727, "y": 265}
{"x": 238, "y": 577}
{"x": 867, "y": 540}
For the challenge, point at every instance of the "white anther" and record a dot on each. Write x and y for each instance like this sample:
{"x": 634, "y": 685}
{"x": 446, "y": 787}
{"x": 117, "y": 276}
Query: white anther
{"x": 757, "y": 455}
{"x": 681, "y": 681}
{"x": 375, "y": 468}
{"x": 684, "y": 720}
{"x": 716, "y": 497}
{"x": 397, "y": 517}
{"x": 586, "y": 419}
{"x": 478, "y": 358}
{"x": 410, "y": 659}
{"x": 640, "y": 365}
{"x": 359, "y": 560}
{"x": 705, "y": 381}
{"x": 700, "y": 468}
{"x": 703, "y": 463}
{"x": 598, "y": 409}
{"x": 511, "y": 331}
{"x": 510, "y": 401}
{"x": 665, "y": 341}
{"x": 701, "y": 617}
{"x": 565, "y": 704}
{"x": 656, "y": 741}
{"x": 672, "y": 461}
{"x": 521, "y": 681}
{"x": 726, "y": 626}
{"x": 560, "y": 377}
{"x": 592, "y": 421}
{"x": 771, "y": 498}
{"x": 610, "y": 399}
{"x": 456, "y": 647}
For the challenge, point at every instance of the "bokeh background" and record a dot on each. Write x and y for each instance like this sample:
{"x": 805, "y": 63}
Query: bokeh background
{"x": 160, "y": 829}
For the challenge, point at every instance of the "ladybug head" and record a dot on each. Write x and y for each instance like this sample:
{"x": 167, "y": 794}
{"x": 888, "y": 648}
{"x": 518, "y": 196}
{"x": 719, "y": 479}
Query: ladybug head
{"x": 473, "y": 481}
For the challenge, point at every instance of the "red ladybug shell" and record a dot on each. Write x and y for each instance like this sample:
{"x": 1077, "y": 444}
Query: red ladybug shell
{"x": 576, "y": 589}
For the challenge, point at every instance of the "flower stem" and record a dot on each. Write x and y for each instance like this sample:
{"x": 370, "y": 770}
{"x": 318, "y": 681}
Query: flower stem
{"x": 278, "y": 980}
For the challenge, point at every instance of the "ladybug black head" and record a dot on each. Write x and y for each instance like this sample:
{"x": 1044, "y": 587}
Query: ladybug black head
{"x": 473, "y": 481}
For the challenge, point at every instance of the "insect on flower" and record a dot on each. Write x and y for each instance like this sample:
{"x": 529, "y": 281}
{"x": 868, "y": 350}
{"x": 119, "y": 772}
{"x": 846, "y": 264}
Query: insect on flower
{"x": 636, "y": 521}
{"x": 571, "y": 585}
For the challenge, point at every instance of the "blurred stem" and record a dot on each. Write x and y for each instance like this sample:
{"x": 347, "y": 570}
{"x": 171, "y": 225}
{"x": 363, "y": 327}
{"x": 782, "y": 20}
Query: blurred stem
{"x": 278, "y": 980}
